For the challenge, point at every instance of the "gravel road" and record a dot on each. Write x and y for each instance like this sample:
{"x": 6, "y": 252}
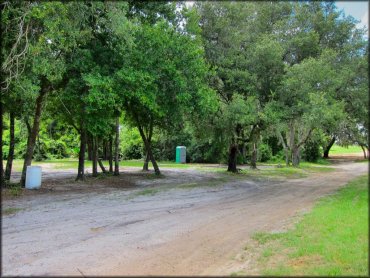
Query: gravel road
{"x": 189, "y": 222}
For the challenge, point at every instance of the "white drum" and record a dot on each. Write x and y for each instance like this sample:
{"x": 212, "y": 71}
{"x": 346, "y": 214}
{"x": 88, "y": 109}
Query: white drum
{"x": 33, "y": 177}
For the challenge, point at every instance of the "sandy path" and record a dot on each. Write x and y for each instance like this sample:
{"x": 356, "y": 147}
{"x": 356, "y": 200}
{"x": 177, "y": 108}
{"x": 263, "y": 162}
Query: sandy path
{"x": 175, "y": 232}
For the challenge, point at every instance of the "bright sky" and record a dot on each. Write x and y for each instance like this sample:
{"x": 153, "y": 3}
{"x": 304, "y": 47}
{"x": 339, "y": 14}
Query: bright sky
{"x": 358, "y": 9}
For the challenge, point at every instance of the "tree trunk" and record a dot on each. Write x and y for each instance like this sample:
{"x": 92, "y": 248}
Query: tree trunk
{"x": 286, "y": 152}
{"x": 232, "y": 158}
{"x": 29, "y": 129}
{"x": 328, "y": 147}
{"x": 146, "y": 162}
{"x": 35, "y": 130}
{"x": 94, "y": 156}
{"x": 101, "y": 166}
{"x": 296, "y": 148}
{"x": 285, "y": 147}
{"x": 110, "y": 154}
{"x": 89, "y": 148}
{"x": 244, "y": 151}
{"x": 1, "y": 142}
{"x": 364, "y": 151}
{"x": 367, "y": 151}
{"x": 254, "y": 157}
{"x": 104, "y": 150}
{"x": 147, "y": 156}
{"x": 295, "y": 156}
{"x": 81, "y": 155}
{"x": 116, "y": 150}
{"x": 152, "y": 159}
{"x": 9, "y": 163}
{"x": 148, "y": 148}
{"x": 39, "y": 158}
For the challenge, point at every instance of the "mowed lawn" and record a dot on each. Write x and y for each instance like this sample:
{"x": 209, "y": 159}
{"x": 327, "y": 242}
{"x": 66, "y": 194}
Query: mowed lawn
{"x": 336, "y": 149}
{"x": 330, "y": 240}
{"x": 72, "y": 163}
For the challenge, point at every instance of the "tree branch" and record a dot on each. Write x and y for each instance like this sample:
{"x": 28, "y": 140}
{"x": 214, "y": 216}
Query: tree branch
{"x": 305, "y": 139}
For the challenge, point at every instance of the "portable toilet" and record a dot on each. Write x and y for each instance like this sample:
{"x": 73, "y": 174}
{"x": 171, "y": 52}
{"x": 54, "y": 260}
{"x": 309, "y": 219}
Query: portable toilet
{"x": 180, "y": 154}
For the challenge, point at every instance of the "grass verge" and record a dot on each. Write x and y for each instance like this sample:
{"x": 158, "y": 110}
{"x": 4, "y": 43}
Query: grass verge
{"x": 287, "y": 172}
{"x": 64, "y": 164}
{"x": 162, "y": 188}
{"x": 330, "y": 240}
{"x": 9, "y": 211}
{"x": 70, "y": 163}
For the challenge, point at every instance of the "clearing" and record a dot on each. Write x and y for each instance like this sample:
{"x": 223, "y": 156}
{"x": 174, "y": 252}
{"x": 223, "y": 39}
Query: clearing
{"x": 189, "y": 221}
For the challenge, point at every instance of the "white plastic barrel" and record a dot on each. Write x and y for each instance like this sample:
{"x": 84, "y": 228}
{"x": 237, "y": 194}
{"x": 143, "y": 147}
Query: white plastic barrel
{"x": 33, "y": 177}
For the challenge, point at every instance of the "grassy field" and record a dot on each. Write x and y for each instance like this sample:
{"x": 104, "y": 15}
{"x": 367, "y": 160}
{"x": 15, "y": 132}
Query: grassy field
{"x": 71, "y": 163}
{"x": 335, "y": 149}
{"x": 271, "y": 171}
{"x": 330, "y": 240}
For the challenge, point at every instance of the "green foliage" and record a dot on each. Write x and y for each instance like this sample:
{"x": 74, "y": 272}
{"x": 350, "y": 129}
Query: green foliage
{"x": 131, "y": 144}
{"x": 210, "y": 151}
{"x": 264, "y": 152}
{"x": 155, "y": 86}
{"x": 207, "y": 77}
{"x": 311, "y": 151}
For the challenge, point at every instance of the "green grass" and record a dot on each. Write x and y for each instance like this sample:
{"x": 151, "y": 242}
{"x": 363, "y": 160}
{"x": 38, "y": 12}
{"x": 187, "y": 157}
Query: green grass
{"x": 162, "y": 188}
{"x": 302, "y": 171}
{"x": 320, "y": 161}
{"x": 335, "y": 149}
{"x": 70, "y": 163}
{"x": 147, "y": 192}
{"x": 238, "y": 273}
{"x": 15, "y": 190}
{"x": 362, "y": 161}
{"x": 9, "y": 211}
{"x": 216, "y": 182}
{"x": 263, "y": 237}
{"x": 330, "y": 240}
{"x": 314, "y": 167}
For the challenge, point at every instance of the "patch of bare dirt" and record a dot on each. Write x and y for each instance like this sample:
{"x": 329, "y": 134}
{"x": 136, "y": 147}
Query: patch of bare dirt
{"x": 96, "y": 228}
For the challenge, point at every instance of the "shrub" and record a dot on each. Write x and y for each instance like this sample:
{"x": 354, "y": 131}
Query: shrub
{"x": 278, "y": 158}
{"x": 264, "y": 152}
{"x": 311, "y": 151}
{"x": 57, "y": 148}
{"x": 133, "y": 151}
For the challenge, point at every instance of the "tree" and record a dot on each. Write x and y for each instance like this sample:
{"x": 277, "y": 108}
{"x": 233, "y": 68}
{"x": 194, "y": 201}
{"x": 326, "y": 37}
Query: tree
{"x": 88, "y": 94}
{"x": 241, "y": 45}
{"x": 162, "y": 84}
{"x": 51, "y": 36}
{"x": 14, "y": 46}
{"x": 339, "y": 33}
{"x": 307, "y": 102}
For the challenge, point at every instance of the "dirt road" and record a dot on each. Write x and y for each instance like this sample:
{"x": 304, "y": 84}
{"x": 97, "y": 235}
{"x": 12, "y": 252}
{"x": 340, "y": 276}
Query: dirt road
{"x": 173, "y": 227}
